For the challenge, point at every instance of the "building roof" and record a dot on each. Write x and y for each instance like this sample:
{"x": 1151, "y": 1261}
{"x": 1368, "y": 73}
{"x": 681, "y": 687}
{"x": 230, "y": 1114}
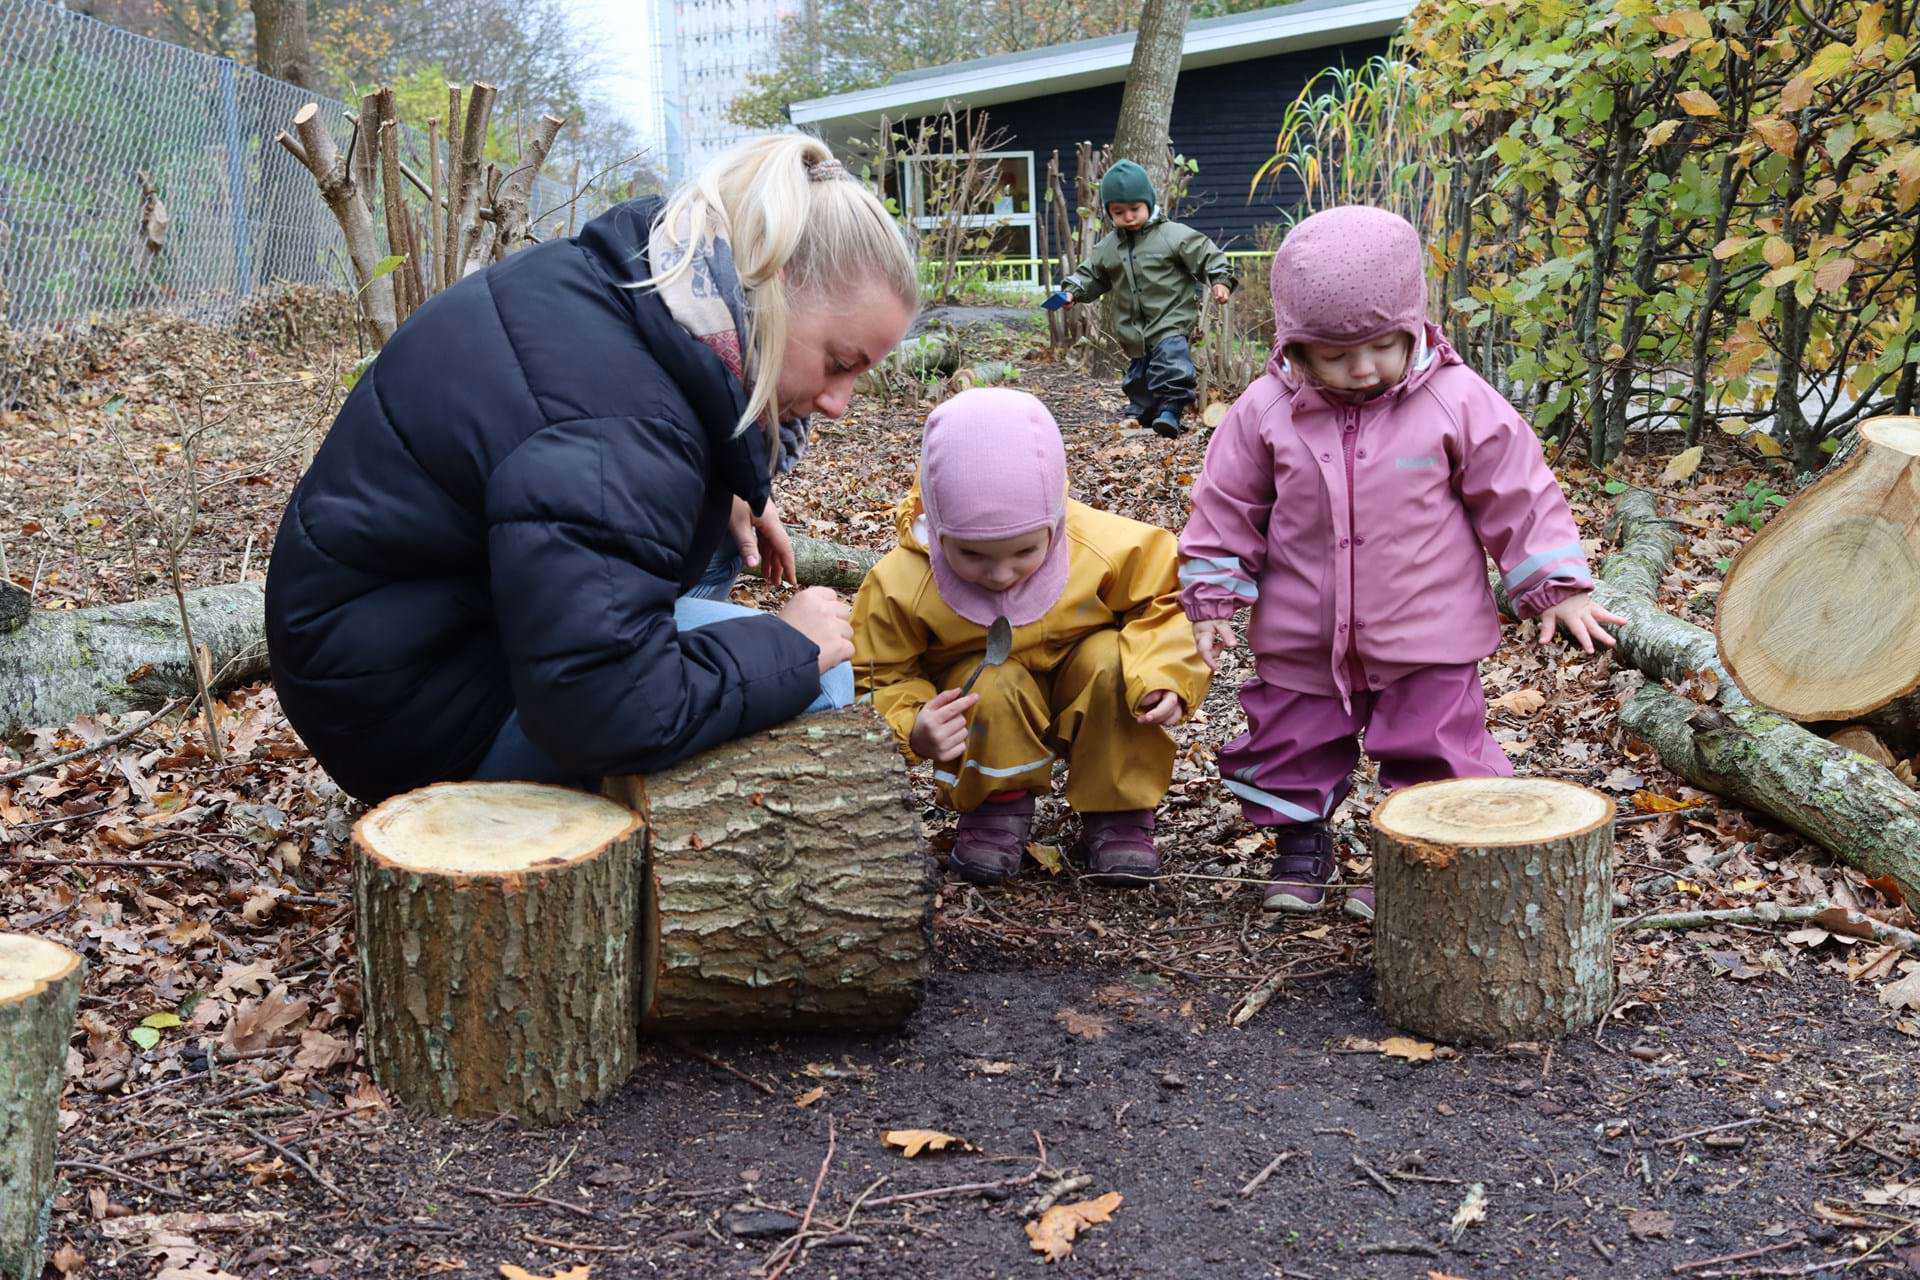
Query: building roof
{"x": 1007, "y": 77}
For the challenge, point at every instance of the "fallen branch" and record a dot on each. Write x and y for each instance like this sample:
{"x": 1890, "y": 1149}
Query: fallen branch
{"x": 1845, "y": 803}
{"x": 1834, "y": 919}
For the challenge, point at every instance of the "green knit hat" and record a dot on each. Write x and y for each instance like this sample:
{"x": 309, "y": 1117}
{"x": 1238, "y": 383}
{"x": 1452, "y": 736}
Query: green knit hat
{"x": 1127, "y": 183}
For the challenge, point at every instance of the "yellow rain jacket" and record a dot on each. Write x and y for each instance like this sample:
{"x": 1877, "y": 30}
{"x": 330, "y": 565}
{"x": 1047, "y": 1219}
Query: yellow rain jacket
{"x": 1075, "y": 680}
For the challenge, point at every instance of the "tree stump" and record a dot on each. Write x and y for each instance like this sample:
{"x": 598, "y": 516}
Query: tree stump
{"x": 496, "y": 930}
{"x": 787, "y": 887}
{"x": 1819, "y": 618}
{"x": 39, "y": 989}
{"x": 1495, "y": 906}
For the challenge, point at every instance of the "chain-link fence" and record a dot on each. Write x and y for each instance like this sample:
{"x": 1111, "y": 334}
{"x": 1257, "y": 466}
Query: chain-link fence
{"x": 88, "y": 110}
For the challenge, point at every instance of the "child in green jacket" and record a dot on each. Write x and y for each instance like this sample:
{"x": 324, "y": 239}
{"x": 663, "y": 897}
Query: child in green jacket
{"x": 1154, "y": 269}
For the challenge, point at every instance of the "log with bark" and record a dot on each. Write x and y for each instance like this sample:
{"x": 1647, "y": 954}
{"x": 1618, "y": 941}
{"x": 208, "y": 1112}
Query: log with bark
{"x": 39, "y": 990}
{"x": 1849, "y": 805}
{"x": 65, "y": 663}
{"x": 57, "y": 664}
{"x": 786, "y": 884}
{"x": 1819, "y": 618}
{"x": 1494, "y": 908}
{"x": 496, "y": 935}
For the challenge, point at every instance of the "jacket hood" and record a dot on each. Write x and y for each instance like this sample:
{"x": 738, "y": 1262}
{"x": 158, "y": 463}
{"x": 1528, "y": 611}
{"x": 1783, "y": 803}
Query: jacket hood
{"x": 1348, "y": 275}
{"x": 616, "y": 241}
{"x": 1431, "y": 353}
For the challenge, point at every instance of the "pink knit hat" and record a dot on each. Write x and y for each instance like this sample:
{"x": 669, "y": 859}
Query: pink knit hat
{"x": 992, "y": 466}
{"x": 1348, "y": 275}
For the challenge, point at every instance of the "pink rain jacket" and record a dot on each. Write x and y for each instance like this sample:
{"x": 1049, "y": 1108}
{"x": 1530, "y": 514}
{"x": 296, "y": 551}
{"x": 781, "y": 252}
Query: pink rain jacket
{"x": 1356, "y": 531}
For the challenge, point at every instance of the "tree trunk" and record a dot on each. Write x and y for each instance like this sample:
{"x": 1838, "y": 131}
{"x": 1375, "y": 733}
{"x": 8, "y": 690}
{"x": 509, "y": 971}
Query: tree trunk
{"x": 16, "y": 606}
{"x": 1495, "y": 909}
{"x": 316, "y": 151}
{"x": 496, "y": 934}
{"x": 1820, "y": 615}
{"x": 280, "y": 45}
{"x": 39, "y": 990}
{"x": 66, "y": 663}
{"x": 1146, "y": 104}
{"x": 786, "y": 883}
{"x": 1855, "y": 809}
{"x": 513, "y": 212}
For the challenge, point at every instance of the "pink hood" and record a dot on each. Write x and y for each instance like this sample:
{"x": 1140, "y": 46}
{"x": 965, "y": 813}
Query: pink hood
{"x": 992, "y": 466}
{"x": 1348, "y": 275}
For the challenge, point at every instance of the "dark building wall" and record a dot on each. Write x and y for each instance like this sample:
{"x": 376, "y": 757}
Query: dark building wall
{"x": 1225, "y": 117}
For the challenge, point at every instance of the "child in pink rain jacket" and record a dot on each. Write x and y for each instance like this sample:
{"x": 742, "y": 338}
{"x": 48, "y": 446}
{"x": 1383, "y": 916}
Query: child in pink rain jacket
{"x": 1348, "y": 498}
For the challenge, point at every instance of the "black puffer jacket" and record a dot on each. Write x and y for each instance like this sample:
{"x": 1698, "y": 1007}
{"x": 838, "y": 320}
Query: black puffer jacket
{"x": 538, "y": 463}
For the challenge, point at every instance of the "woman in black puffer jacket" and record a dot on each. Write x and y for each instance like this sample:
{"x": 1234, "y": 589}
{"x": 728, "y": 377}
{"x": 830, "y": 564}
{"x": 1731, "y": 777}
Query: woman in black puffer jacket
{"x": 484, "y": 573}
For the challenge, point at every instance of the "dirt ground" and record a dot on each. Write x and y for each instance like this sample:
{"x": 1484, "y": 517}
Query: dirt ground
{"x": 1748, "y": 1108}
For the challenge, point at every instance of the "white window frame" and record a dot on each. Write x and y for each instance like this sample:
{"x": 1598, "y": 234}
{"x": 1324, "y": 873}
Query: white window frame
{"x": 912, "y": 195}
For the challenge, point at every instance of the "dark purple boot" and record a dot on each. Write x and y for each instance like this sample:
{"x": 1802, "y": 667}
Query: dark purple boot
{"x": 1118, "y": 848}
{"x": 1303, "y": 869}
{"x": 990, "y": 841}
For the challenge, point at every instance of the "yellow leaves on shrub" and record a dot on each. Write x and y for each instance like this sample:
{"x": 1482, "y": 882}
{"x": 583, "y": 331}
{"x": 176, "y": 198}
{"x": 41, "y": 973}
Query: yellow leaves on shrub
{"x": 1697, "y": 102}
{"x": 1833, "y": 274}
{"x": 913, "y": 1141}
{"x": 1829, "y": 62}
{"x": 1683, "y": 465}
{"x": 1776, "y": 251}
{"x": 1052, "y": 1234}
{"x": 1659, "y": 134}
{"x": 1797, "y": 94}
{"x": 1730, "y": 246}
{"x": 1683, "y": 22}
{"x": 1767, "y": 444}
{"x": 1778, "y": 134}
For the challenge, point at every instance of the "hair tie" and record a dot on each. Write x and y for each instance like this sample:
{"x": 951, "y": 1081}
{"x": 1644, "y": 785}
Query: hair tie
{"x": 827, "y": 170}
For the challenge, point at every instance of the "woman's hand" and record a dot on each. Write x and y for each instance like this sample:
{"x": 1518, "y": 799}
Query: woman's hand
{"x": 940, "y": 730}
{"x": 1162, "y": 707}
{"x": 1580, "y": 618}
{"x": 821, "y": 617}
{"x": 1212, "y": 639}
{"x": 1221, "y": 293}
{"x": 763, "y": 539}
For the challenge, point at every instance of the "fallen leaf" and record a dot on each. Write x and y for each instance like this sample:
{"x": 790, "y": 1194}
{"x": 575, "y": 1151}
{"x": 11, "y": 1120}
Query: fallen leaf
{"x": 1650, "y": 1224}
{"x": 67, "y": 1259}
{"x": 1088, "y": 1026}
{"x": 1472, "y": 1210}
{"x": 1047, "y": 856}
{"x": 1406, "y": 1047}
{"x": 1645, "y": 801}
{"x": 1767, "y": 444}
{"x": 1905, "y": 993}
{"x": 256, "y": 1023}
{"x": 1901, "y": 1195}
{"x": 1052, "y": 1234}
{"x": 913, "y": 1141}
{"x": 810, "y": 1097}
{"x": 986, "y": 1068}
{"x": 1683, "y": 464}
{"x": 1520, "y": 702}
{"x": 511, "y": 1272}
{"x": 322, "y": 1052}
{"x": 1839, "y": 1217}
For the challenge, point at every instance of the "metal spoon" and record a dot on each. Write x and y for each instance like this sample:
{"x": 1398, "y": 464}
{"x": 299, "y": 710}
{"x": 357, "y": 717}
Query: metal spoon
{"x": 999, "y": 646}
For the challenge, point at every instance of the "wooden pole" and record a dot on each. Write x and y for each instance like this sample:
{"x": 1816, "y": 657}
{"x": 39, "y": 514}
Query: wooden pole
{"x": 1494, "y": 908}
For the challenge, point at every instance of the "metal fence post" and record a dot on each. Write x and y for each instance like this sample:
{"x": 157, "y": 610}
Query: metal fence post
{"x": 236, "y": 183}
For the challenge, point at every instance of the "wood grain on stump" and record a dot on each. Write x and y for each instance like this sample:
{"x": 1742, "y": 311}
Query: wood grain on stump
{"x": 497, "y": 931}
{"x": 1495, "y": 903}
{"x": 39, "y": 990}
{"x": 1819, "y": 618}
{"x": 786, "y": 882}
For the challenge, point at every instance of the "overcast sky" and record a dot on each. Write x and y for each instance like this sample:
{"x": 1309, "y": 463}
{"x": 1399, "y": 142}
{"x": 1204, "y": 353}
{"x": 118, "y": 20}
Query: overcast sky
{"x": 621, "y": 31}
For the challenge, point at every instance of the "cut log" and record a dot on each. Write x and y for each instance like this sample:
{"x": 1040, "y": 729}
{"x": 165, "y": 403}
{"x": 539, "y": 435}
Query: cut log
{"x": 787, "y": 885}
{"x": 15, "y": 606}
{"x": 1853, "y": 808}
{"x": 1820, "y": 615}
{"x": 819, "y": 563}
{"x": 1495, "y": 905}
{"x": 39, "y": 989}
{"x": 66, "y": 663}
{"x": 496, "y": 933}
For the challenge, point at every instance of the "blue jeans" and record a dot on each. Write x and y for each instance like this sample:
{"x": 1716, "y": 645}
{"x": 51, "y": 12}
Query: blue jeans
{"x": 513, "y": 757}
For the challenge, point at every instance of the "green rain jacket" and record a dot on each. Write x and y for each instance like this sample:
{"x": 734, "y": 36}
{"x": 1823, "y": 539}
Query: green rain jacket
{"x": 1155, "y": 274}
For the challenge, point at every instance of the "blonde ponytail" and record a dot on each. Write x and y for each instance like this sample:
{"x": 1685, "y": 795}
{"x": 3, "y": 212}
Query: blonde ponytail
{"x": 801, "y": 232}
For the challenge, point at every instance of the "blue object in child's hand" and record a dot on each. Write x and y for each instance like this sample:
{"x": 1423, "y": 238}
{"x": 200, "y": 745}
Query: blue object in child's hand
{"x": 1056, "y": 300}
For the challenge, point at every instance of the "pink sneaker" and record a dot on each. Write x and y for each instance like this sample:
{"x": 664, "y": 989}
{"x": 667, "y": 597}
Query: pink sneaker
{"x": 1303, "y": 869}
{"x": 1118, "y": 848}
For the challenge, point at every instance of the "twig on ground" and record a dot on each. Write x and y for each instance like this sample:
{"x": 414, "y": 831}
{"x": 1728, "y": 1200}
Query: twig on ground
{"x": 1828, "y": 916}
{"x": 1399, "y": 1246}
{"x": 789, "y": 1250}
{"x": 1682, "y": 1268}
{"x": 54, "y": 762}
{"x": 581, "y": 1245}
{"x": 701, "y": 1055}
{"x": 118, "y": 1176}
{"x": 1373, "y": 1175}
{"x": 1253, "y": 1184}
{"x": 295, "y": 1159}
{"x": 502, "y": 1197}
{"x": 1715, "y": 1128}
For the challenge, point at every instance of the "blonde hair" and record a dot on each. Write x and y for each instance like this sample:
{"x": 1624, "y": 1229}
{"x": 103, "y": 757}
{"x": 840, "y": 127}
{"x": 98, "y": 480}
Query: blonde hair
{"x": 801, "y": 229}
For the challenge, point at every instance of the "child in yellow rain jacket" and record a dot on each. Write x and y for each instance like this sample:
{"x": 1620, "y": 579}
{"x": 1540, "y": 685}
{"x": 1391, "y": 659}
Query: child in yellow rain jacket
{"x": 1103, "y": 661}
